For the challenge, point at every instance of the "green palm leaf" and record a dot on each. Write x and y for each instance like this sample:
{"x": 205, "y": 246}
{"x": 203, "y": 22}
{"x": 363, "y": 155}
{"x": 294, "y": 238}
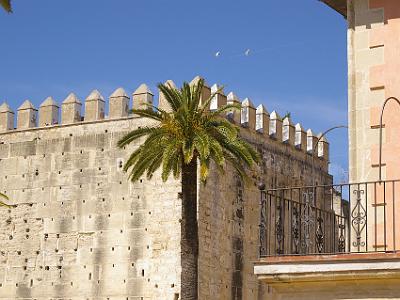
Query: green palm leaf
{"x": 6, "y": 4}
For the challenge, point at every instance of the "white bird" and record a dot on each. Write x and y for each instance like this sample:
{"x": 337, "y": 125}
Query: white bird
{"x": 247, "y": 52}
{"x": 217, "y": 54}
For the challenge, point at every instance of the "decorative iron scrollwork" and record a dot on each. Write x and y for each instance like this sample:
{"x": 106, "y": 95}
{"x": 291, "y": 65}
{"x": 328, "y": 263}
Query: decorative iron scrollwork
{"x": 263, "y": 246}
{"x": 358, "y": 219}
{"x": 319, "y": 235}
{"x": 307, "y": 220}
{"x": 296, "y": 230}
{"x": 342, "y": 240}
{"x": 279, "y": 229}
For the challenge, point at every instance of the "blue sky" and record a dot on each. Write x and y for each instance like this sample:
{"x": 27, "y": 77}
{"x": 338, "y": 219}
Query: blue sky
{"x": 297, "y": 62}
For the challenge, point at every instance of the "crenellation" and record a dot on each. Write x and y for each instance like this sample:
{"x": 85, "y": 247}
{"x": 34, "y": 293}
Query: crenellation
{"x": 311, "y": 142}
{"x": 119, "y": 104}
{"x": 219, "y": 98}
{"x": 323, "y": 148}
{"x": 142, "y": 97}
{"x": 262, "y": 120}
{"x": 94, "y": 106}
{"x": 162, "y": 102}
{"x": 27, "y": 115}
{"x": 48, "y": 112}
{"x": 6, "y": 117}
{"x": 71, "y": 110}
{"x": 248, "y": 114}
{"x": 288, "y": 131}
{"x": 301, "y": 138}
{"x": 275, "y": 126}
{"x": 234, "y": 114}
{"x": 206, "y": 91}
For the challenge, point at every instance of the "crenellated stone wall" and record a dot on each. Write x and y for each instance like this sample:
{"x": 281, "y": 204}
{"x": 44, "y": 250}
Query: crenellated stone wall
{"x": 79, "y": 230}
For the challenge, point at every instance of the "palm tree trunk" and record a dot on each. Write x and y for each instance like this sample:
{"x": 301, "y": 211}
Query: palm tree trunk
{"x": 189, "y": 232}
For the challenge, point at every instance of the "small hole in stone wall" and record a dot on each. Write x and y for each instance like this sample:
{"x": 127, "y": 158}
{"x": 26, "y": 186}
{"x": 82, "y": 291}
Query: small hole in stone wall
{"x": 120, "y": 182}
{"x": 138, "y": 197}
{"x": 26, "y": 260}
{"x": 81, "y": 170}
{"x": 91, "y": 250}
{"x": 52, "y": 219}
{"x": 70, "y": 134}
{"x": 27, "y": 229}
{"x": 90, "y": 276}
{"x": 104, "y": 199}
{"x": 141, "y": 180}
{"x": 75, "y": 249}
{"x": 142, "y": 273}
{"x": 148, "y": 279}
{"x": 145, "y": 229}
{"x": 133, "y": 264}
{"x": 24, "y": 268}
{"x": 148, "y": 247}
{"x": 46, "y": 235}
{"x": 109, "y": 215}
{"x": 42, "y": 188}
{"x": 58, "y": 235}
{"x": 44, "y": 155}
{"x": 27, "y": 236}
{"x": 123, "y": 198}
{"x": 44, "y": 204}
{"x": 156, "y": 285}
{"x": 81, "y": 151}
{"x": 149, "y": 212}
{"x": 98, "y": 184}
{"x": 59, "y": 172}
{"x": 19, "y": 252}
{"x": 23, "y": 175}
{"x": 62, "y": 203}
{"x": 10, "y": 237}
{"x": 106, "y": 131}
{"x": 23, "y": 190}
{"x": 56, "y": 250}
{"x": 16, "y": 284}
{"x": 73, "y": 217}
{"x": 113, "y": 265}
{"x": 112, "y": 248}
{"x": 121, "y": 231}
{"x": 25, "y": 221}
{"x": 84, "y": 201}
{"x": 36, "y": 172}
{"x": 80, "y": 186}
{"x": 99, "y": 169}
{"x": 129, "y": 248}
{"x": 47, "y": 268}
{"x": 131, "y": 213}
{"x": 72, "y": 283}
{"x": 102, "y": 149}
{"x": 60, "y": 187}
{"x": 62, "y": 153}
{"x": 90, "y": 216}
{"x": 59, "y": 267}
{"x": 172, "y": 285}
{"x": 38, "y": 252}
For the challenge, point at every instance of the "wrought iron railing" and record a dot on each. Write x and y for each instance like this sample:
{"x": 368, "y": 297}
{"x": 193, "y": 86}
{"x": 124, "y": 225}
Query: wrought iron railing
{"x": 328, "y": 219}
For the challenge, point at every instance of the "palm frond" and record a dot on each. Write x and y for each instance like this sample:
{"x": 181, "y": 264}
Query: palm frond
{"x": 6, "y": 4}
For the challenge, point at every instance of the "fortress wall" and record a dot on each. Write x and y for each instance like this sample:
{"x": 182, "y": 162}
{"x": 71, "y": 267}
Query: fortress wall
{"x": 229, "y": 215}
{"x": 79, "y": 229}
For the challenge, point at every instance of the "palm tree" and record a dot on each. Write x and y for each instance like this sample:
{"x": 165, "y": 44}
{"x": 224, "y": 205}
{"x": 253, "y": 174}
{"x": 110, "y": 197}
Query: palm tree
{"x": 6, "y": 4}
{"x": 179, "y": 141}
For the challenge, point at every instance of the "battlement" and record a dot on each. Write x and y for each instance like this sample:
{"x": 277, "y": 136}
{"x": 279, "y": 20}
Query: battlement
{"x": 258, "y": 120}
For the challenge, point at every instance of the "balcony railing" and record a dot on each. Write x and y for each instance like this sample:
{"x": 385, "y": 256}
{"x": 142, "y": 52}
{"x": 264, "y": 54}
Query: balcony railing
{"x": 330, "y": 219}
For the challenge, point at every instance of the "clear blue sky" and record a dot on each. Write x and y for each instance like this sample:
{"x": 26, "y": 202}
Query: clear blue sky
{"x": 297, "y": 63}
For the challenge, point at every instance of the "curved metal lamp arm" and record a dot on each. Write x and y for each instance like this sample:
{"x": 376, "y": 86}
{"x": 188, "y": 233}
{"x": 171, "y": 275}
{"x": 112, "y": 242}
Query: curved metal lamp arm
{"x": 316, "y": 146}
{"x": 380, "y": 133}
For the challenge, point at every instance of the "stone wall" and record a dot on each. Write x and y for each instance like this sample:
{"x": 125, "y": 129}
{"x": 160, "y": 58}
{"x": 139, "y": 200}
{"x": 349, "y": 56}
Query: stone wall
{"x": 79, "y": 230}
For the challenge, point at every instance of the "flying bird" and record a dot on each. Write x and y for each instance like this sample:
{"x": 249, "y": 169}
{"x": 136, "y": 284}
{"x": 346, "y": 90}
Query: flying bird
{"x": 217, "y": 54}
{"x": 247, "y": 52}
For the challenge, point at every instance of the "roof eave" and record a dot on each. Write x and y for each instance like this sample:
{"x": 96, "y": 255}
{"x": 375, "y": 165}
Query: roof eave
{"x": 339, "y": 5}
